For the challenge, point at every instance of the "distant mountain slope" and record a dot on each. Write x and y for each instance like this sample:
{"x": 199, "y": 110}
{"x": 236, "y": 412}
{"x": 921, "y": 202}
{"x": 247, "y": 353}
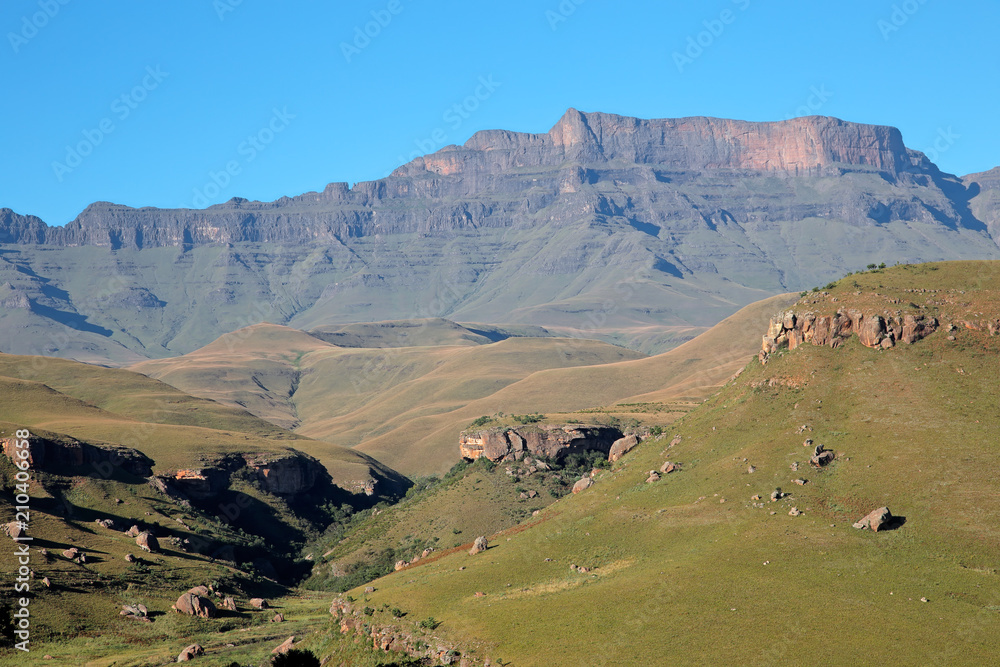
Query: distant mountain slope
{"x": 406, "y": 406}
{"x": 347, "y": 396}
{"x": 702, "y": 564}
{"x": 605, "y": 224}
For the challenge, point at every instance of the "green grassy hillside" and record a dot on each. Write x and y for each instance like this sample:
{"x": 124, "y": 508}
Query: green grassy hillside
{"x": 692, "y": 569}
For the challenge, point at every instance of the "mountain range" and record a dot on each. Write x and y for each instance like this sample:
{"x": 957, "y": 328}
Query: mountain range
{"x": 638, "y": 232}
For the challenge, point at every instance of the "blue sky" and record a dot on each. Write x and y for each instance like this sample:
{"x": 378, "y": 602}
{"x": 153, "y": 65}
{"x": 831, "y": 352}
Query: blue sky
{"x": 191, "y": 102}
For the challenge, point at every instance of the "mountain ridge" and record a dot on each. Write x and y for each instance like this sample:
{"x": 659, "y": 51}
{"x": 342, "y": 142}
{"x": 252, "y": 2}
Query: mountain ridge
{"x": 614, "y": 228}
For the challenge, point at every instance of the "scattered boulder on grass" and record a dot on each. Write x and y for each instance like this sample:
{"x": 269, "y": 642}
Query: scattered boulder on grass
{"x": 751, "y": 469}
{"x": 369, "y": 589}
{"x": 278, "y": 618}
{"x": 621, "y": 446}
{"x": 190, "y": 653}
{"x": 133, "y": 531}
{"x": 107, "y": 523}
{"x": 138, "y": 612}
{"x": 821, "y": 456}
{"x": 794, "y": 512}
{"x": 427, "y": 552}
{"x": 400, "y": 564}
{"x": 583, "y": 485}
{"x": 800, "y": 481}
{"x": 200, "y": 590}
{"x": 875, "y": 520}
{"x": 259, "y": 603}
{"x": 46, "y": 582}
{"x": 195, "y": 605}
{"x": 285, "y": 646}
{"x": 129, "y": 558}
{"x": 229, "y": 604}
{"x": 669, "y": 467}
{"x": 653, "y": 477}
{"x": 147, "y": 542}
{"x": 776, "y": 495}
{"x": 676, "y": 441}
{"x": 479, "y": 545}
{"x": 71, "y": 553}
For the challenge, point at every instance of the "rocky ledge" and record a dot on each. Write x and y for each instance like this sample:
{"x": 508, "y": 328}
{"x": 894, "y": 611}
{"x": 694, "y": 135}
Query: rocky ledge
{"x": 549, "y": 440}
{"x": 874, "y": 330}
{"x": 283, "y": 474}
{"x": 63, "y": 453}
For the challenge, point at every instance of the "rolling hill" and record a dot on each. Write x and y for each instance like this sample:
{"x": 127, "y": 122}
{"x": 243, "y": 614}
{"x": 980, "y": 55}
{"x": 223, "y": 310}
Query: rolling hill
{"x": 704, "y": 568}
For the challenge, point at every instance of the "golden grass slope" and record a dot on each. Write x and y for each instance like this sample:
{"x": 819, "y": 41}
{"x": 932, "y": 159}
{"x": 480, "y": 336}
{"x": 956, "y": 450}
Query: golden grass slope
{"x": 176, "y": 430}
{"x": 692, "y": 570}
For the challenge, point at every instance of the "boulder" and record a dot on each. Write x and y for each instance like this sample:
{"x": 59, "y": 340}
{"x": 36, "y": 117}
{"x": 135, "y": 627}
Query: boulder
{"x": 400, "y": 564}
{"x": 14, "y": 529}
{"x": 675, "y": 441}
{"x": 106, "y": 523}
{"x": 875, "y": 520}
{"x": 200, "y": 590}
{"x": 621, "y": 446}
{"x": 129, "y": 558}
{"x": 147, "y": 542}
{"x": 285, "y": 646}
{"x": 195, "y": 605}
{"x": 278, "y": 618}
{"x": 668, "y": 467}
{"x": 653, "y": 477}
{"x": 229, "y": 604}
{"x": 133, "y": 531}
{"x": 479, "y": 545}
{"x": 190, "y": 653}
{"x": 823, "y": 458}
{"x": 71, "y": 553}
{"x": 259, "y": 603}
{"x": 369, "y": 589}
{"x": 583, "y": 485}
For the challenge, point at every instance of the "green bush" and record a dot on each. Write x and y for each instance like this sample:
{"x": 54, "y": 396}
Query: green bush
{"x": 295, "y": 658}
{"x": 430, "y": 623}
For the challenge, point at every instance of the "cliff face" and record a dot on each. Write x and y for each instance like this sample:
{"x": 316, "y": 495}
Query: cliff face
{"x": 285, "y": 475}
{"x": 80, "y": 458}
{"x": 549, "y": 441}
{"x": 812, "y": 145}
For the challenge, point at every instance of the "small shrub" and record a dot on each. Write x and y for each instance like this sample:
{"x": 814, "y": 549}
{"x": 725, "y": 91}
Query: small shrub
{"x": 397, "y": 612}
{"x": 368, "y": 611}
{"x": 481, "y": 421}
{"x": 430, "y": 623}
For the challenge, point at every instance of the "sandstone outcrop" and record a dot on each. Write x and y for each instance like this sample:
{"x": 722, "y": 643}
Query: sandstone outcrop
{"x": 83, "y": 459}
{"x": 283, "y": 474}
{"x": 874, "y": 330}
{"x": 552, "y": 441}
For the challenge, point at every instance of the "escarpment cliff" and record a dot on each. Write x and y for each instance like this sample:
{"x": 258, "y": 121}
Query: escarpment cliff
{"x": 678, "y": 222}
{"x": 548, "y": 440}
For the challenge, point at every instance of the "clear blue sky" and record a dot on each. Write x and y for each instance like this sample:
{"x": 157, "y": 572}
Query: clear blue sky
{"x": 200, "y": 77}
